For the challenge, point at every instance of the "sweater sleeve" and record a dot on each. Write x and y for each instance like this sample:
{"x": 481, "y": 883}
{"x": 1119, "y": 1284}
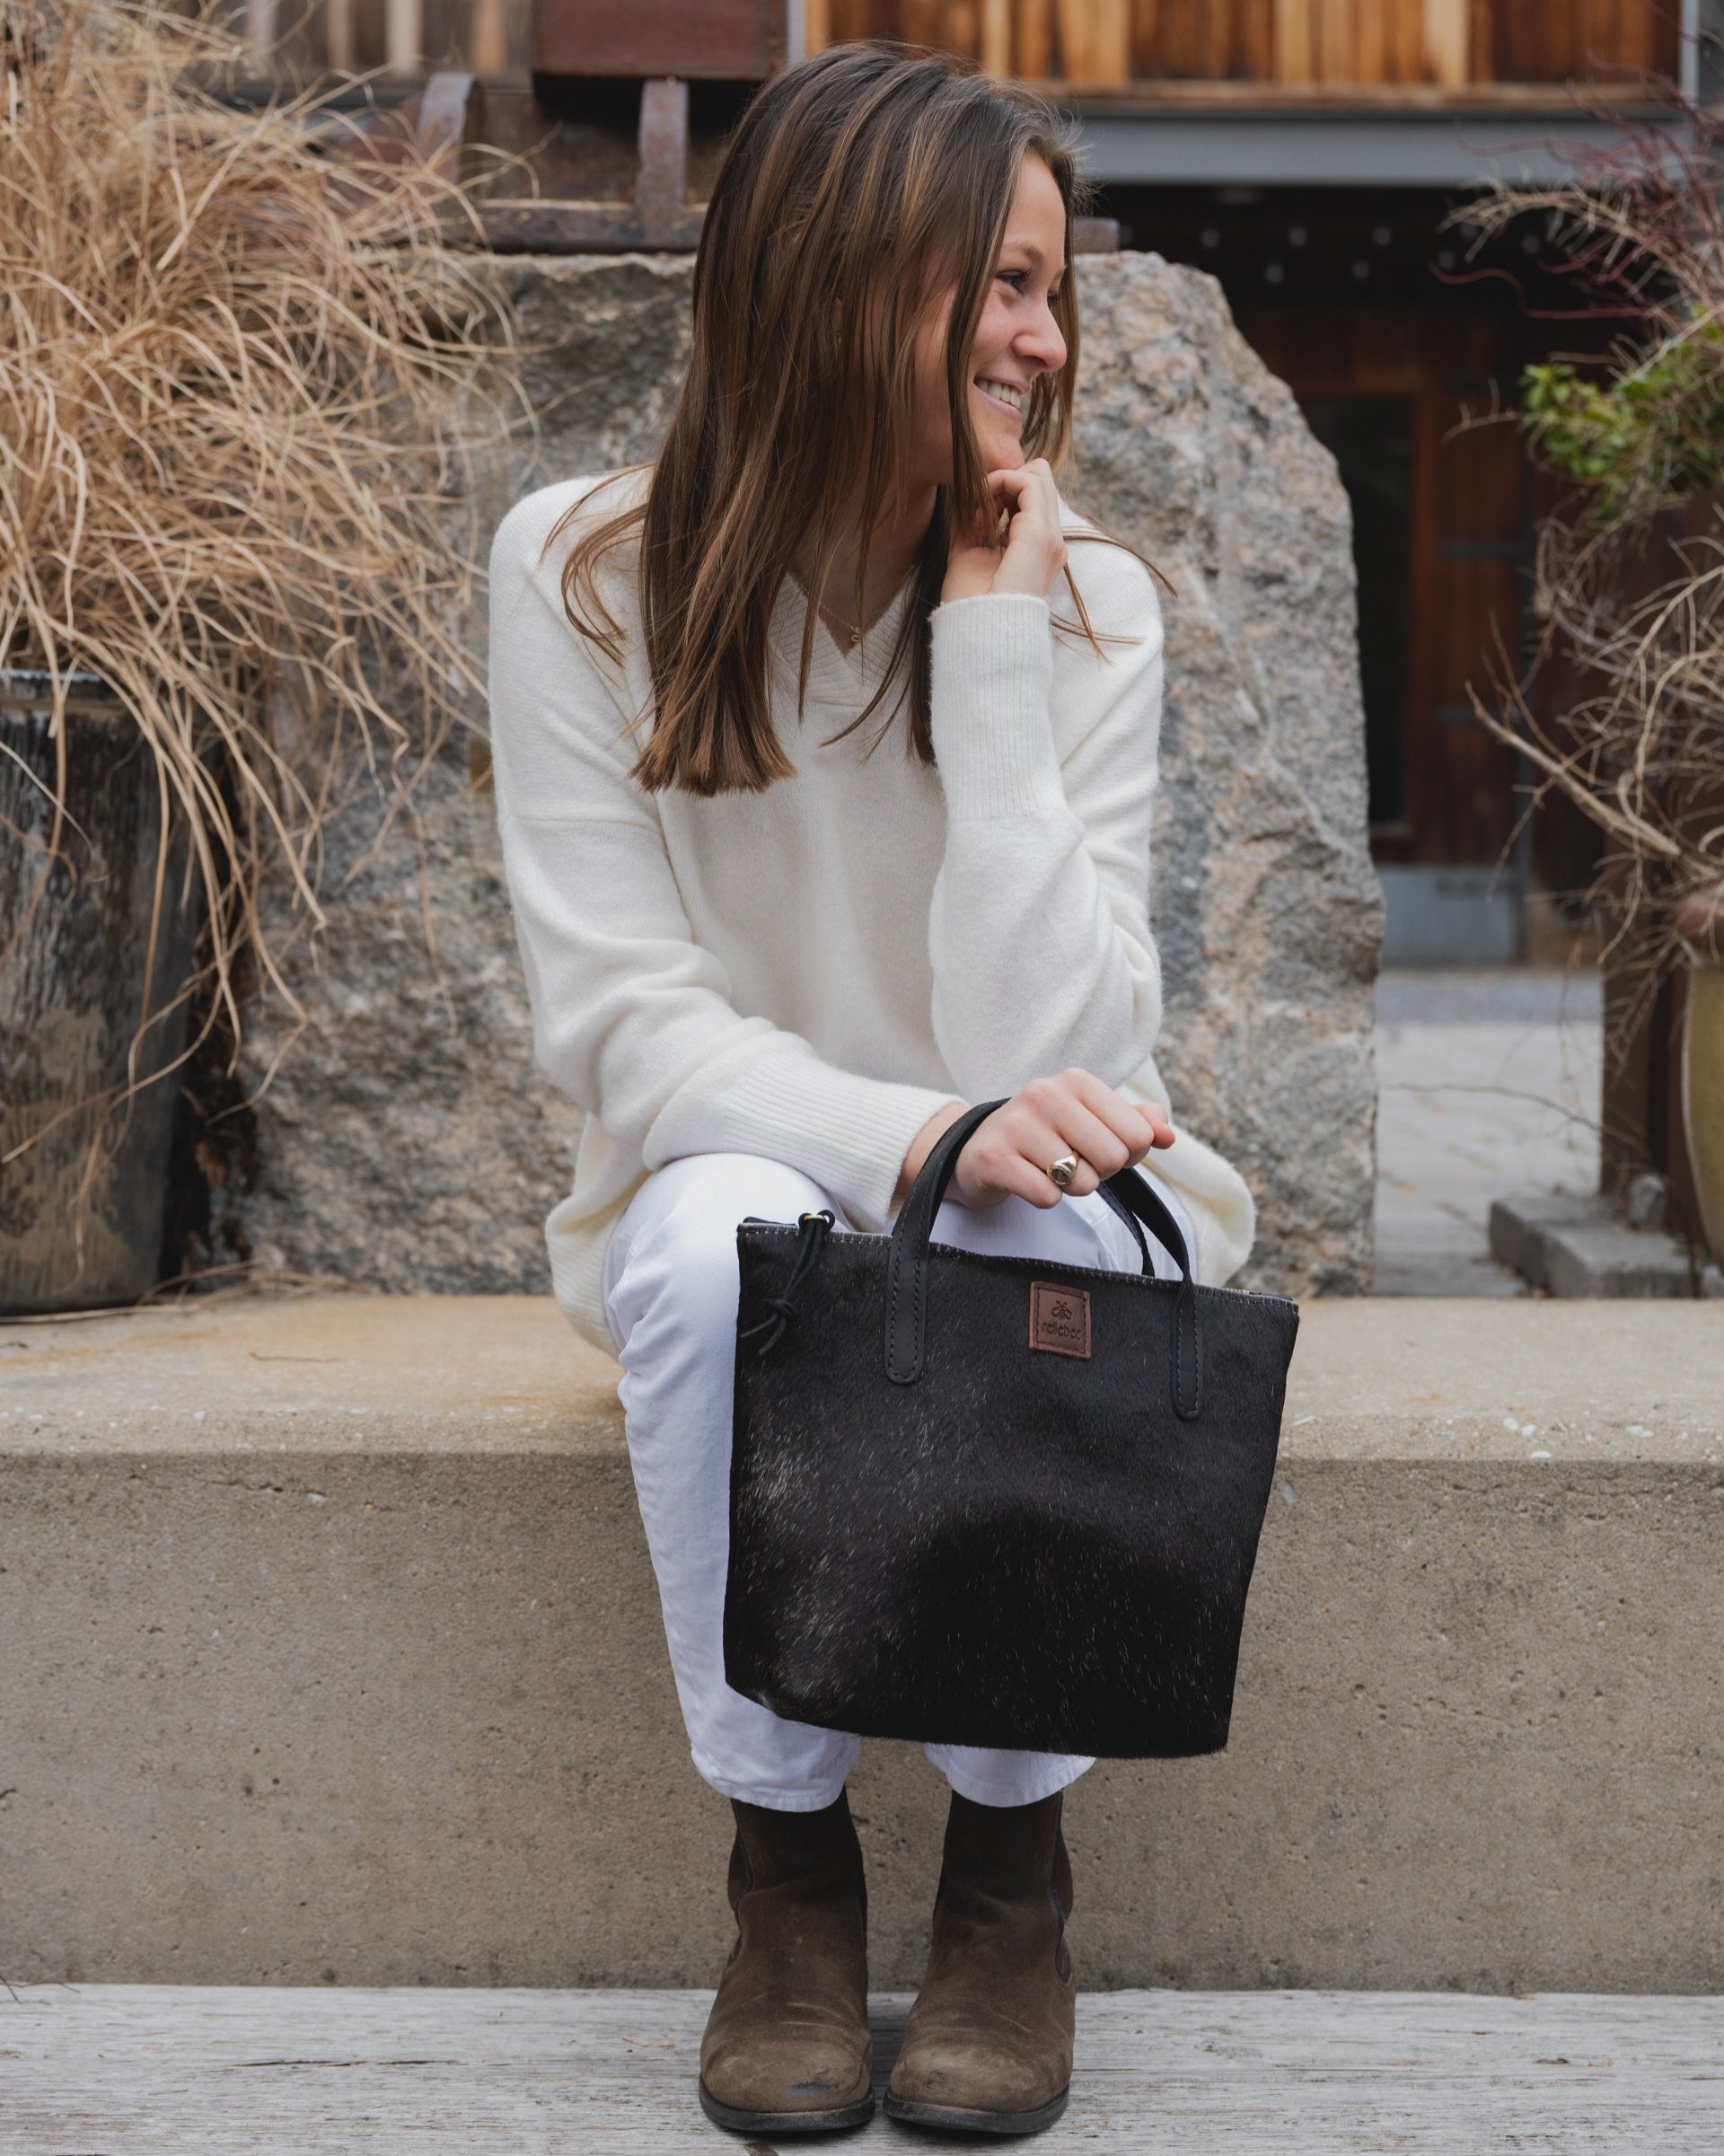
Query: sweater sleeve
{"x": 631, "y": 1016}
{"x": 1039, "y": 930}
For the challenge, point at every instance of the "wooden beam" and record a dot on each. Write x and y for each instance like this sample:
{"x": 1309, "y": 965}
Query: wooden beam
{"x": 695, "y": 41}
{"x": 1185, "y": 36}
{"x": 1035, "y": 40}
{"x": 1405, "y": 28}
{"x": 1146, "y": 39}
{"x": 1481, "y": 41}
{"x": 1337, "y": 48}
{"x": 995, "y": 54}
{"x": 487, "y": 37}
{"x": 1219, "y": 36}
{"x": 339, "y": 44}
{"x": 1074, "y": 19}
{"x": 661, "y": 214}
{"x": 1371, "y": 32}
{"x": 1295, "y": 41}
{"x": 1109, "y": 47}
{"x": 1254, "y": 41}
{"x": 662, "y": 188}
{"x": 922, "y": 23}
{"x": 1446, "y": 28}
{"x": 534, "y": 227}
{"x": 260, "y": 34}
{"x": 1548, "y": 101}
{"x": 403, "y": 37}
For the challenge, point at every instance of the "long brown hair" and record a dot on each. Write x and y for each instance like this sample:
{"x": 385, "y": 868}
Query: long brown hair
{"x": 861, "y": 186}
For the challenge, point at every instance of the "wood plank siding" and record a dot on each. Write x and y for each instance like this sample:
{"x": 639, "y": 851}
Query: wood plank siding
{"x": 1225, "y": 47}
{"x": 1277, "y": 46}
{"x": 294, "y": 40}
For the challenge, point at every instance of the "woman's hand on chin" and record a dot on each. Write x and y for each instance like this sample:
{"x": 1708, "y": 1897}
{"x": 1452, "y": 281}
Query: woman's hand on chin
{"x": 1035, "y": 551}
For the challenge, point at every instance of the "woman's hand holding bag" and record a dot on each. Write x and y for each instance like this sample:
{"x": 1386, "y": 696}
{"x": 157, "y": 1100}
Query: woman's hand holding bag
{"x": 1009, "y": 1152}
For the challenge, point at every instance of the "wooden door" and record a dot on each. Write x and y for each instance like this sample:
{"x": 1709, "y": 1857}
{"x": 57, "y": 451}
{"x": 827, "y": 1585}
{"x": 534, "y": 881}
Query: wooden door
{"x": 1423, "y": 384}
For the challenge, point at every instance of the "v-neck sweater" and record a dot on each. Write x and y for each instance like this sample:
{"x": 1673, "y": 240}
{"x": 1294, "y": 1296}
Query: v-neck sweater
{"x": 810, "y": 971}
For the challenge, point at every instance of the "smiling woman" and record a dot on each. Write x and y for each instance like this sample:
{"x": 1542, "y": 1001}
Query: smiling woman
{"x": 775, "y": 957}
{"x": 832, "y": 424}
{"x": 1018, "y": 337}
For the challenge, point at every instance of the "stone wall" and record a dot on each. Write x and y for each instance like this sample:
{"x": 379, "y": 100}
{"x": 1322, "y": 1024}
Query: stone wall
{"x": 405, "y": 1140}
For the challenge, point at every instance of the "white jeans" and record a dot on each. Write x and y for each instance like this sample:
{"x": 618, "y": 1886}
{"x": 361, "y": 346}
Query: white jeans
{"x": 670, "y": 1288}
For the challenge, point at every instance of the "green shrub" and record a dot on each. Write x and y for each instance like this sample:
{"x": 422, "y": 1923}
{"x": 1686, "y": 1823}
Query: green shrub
{"x": 1649, "y": 436}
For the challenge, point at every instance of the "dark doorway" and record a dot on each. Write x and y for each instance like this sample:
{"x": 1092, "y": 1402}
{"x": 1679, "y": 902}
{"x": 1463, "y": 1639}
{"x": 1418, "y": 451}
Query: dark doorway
{"x": 1370, "y": 438}
{"x": 1405, "y": 346}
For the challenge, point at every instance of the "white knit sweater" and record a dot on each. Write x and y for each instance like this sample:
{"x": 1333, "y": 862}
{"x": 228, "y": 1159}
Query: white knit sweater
{"x": 810, "y": 971}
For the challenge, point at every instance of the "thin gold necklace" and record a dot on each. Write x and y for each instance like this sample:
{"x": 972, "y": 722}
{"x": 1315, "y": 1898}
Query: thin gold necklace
{"x": 855, "y": 631}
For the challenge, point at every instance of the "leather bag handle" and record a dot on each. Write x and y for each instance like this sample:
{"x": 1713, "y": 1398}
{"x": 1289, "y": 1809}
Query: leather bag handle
{"x": 1128, "y": 1193}
{"x": 1131, "y": 1191}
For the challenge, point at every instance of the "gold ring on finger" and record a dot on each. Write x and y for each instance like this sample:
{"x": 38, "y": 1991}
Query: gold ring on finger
{"x": 1062, "y": 1171}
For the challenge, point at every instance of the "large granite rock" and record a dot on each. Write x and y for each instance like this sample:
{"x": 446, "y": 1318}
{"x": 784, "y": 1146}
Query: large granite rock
{"x": 405, "y": 1140}
{"x": 1266, "y": 908}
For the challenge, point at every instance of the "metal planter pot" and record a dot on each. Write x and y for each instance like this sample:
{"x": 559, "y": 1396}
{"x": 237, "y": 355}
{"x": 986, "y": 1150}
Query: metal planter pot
{"x": 1702, "y": 1097}
{"x": 81, "y": 1208}
{"x": 1700, "y": 918}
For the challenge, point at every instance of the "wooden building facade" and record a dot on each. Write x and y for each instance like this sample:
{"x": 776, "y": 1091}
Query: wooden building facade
{"x": 1199, "y": 46}
{"x": 1395, "y": 49}
{"x": 1310, "y": 153}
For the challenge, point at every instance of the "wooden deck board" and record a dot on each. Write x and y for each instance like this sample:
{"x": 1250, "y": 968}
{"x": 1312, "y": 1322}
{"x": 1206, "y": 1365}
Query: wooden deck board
{"x": 160, "y": 2070}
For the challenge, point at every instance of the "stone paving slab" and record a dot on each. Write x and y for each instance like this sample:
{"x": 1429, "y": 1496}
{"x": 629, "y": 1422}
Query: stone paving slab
{"x": 1489, "y": 1081}
{"x": 161, "y": 2071}
{"x": 1578, "y": 1247}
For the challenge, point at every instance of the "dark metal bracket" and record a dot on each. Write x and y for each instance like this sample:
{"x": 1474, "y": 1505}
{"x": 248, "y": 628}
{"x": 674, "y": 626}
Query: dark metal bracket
{"x": 451, "y": 124}
{"x": 661, "y": 215}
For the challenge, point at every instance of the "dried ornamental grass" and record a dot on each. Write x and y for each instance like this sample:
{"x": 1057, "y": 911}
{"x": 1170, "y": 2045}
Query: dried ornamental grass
{"x": 1637, "y": 745}
{"x": 1636, "y": 617}
{"x": 240, "y": 383}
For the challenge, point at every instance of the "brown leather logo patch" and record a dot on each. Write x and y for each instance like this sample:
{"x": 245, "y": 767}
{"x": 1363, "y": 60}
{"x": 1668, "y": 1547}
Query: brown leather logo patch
{"x": 1059, "y": 1319}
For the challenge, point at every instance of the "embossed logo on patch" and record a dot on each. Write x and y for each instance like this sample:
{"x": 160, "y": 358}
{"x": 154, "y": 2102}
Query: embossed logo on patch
{"x": 1059, "y": 1319}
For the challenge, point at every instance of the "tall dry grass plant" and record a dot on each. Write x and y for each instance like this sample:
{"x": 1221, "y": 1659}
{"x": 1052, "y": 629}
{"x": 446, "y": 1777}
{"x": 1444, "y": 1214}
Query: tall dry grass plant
{"x": 240, "y": 383}
{"x": 1628, "y": 588}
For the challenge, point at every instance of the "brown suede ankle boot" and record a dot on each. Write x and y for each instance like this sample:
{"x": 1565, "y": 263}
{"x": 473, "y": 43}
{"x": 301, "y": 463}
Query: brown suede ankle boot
{"x": 786, "y": 2048}
{"x": 988, "y": 2044}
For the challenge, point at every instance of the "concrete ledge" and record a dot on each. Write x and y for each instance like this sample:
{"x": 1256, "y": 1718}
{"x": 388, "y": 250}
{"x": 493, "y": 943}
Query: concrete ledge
{"x": 333, "y": 1655}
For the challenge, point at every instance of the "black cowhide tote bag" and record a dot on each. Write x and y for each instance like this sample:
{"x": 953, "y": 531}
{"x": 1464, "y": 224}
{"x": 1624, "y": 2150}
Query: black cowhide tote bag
{"x": 996, "y": 1501}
